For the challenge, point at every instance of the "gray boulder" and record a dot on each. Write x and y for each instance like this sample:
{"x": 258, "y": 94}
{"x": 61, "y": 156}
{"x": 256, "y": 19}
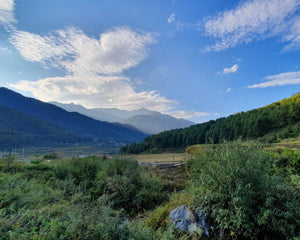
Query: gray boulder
{"x": 187, "y": 220}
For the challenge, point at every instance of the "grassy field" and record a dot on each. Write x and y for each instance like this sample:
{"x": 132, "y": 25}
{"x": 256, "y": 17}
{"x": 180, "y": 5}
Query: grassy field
{"x": 62, "y": 152}
{"x": 162, "y": 157}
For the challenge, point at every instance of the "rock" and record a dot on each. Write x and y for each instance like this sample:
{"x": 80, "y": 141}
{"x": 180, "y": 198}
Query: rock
{"x": 184, "y": 219}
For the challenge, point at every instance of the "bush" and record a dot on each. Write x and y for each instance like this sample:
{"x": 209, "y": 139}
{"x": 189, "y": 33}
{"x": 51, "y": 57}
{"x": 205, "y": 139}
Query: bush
{"x": 128, "y": 186}
{"x": 76, "y": 199}
{"x": 236, "y": 187}
{"x": 51, "y": 156}
{"x": 123, "y": 181}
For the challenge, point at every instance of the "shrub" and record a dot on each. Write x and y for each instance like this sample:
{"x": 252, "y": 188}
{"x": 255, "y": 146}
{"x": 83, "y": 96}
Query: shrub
{"x": 51, "y": 156}
{"x": 129, "y": 186}
{"x": 76, "y": 199}
{"x": 235, "y": 186}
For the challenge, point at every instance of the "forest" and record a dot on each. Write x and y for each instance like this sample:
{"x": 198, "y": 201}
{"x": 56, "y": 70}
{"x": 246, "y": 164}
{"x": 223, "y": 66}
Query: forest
{"x": 271, "y": 123}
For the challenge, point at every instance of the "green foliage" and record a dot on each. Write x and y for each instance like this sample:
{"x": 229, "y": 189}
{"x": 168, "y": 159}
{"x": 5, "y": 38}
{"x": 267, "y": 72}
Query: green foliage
{"x": 240, "y": 187}
{"x": 288, "y": 160}
{"x": 87, "y": 198}
{"x": 52, "y": 155}
{"x": 123, "y": 181}
{"x": 236, "y": 186}
{"x": 270, "y": 123}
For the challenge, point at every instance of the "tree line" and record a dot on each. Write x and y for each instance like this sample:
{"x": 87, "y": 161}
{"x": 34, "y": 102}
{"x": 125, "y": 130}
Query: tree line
{"x": 270, "y": 124}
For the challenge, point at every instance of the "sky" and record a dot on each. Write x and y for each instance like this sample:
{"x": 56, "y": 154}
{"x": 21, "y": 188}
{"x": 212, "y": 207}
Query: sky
{"x": 197, "y": 60}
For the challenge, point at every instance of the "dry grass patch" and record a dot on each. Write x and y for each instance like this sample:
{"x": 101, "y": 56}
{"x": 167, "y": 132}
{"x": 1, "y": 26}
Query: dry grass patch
{"x": 162, "y": 157}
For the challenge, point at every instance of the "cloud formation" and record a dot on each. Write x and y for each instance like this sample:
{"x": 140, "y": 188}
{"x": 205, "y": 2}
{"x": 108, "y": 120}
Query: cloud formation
{"x": 7, "y": 12}
{"x": 191, "y": 114}
{"x": 288, "y": 78}
{"x": 232, "y": 69}
{"x": 95, "y": 91}
{"x": 171, "y": 18}
{"x": 70, "y": 49}
{"x": 93, "y": 67}
{"x": 252, "y": 20}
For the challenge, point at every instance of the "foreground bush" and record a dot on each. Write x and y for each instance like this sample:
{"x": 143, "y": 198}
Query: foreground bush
{"x": 90, "y": 198}
{"x": 126, "y": 184}
{"x": 243, "y": 198}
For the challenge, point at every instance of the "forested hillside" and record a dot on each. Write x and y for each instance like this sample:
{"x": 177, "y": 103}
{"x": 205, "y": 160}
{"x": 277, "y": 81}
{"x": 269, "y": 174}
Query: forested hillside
{"x": 70, "y": 121}
{"x": 270, "y": 123}
{"x": 18, "y": 129}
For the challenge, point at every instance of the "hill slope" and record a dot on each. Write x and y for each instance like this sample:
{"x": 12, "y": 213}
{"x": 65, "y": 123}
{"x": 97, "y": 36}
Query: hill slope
{"x": 147, "y": 121}
{"x": 71, "y": 121}
{"x": 280, "y": 119}
{"x": 20, "y": 129}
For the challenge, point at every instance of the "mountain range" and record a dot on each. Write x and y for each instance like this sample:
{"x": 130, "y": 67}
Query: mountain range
{"x": 25, "y": 111}
{"x": 150, "y": 122}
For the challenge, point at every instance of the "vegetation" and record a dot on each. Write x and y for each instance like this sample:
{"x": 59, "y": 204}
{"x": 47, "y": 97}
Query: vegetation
{"x": 20, "y": 129}
{"x": 71, "y": 122}
{"x": 87, "y": 198}
{"x": 269, "y": 124}
{"x": 247, "y": 193}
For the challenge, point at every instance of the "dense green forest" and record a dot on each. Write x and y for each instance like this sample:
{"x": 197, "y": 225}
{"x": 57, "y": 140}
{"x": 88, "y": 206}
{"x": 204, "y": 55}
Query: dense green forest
{"x": 18, "y": 129}
{"x": 270, "y": 124}
{"x": 246, "y": 192}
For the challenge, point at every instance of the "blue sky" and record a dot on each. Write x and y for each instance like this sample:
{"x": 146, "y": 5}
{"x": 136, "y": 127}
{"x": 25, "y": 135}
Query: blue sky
{"x": 198, "y": 60}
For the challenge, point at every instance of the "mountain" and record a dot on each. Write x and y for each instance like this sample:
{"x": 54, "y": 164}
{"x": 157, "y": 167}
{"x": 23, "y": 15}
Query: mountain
{"x": 71, "y": 121}
{"x": 147, "y": 121}
{"x": 268, "y": 124}
{"x": 103, "y": 114}
{"x": 154, "y": 124}
{"x": 20, "y": 129}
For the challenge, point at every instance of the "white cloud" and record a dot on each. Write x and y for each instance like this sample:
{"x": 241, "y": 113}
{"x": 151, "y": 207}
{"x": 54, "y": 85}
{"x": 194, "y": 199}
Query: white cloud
{"x": 7, "y": 12}
{"x": 232, "y": 69}
{"x": 95, "y": 91}
{"x": 228, "y": 90}
{"x": 252, "y": 20}
{"x": 171, "y": 18}
{"x": 191, "y": 114}
{"x": 179, "y": 25}
{"x": 93, "y": 68}
{"x": 293, "y": 36}
{"x": 70, "y": 49}
{"x": 288, "y": 78}
{"x": 5, "y": 50}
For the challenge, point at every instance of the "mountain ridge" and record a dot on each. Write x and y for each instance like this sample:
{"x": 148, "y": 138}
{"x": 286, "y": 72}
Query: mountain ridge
{"x": 147, "y": 121}
{"x": 71, "y": 121}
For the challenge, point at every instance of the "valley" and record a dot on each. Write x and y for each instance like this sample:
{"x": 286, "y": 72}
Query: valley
{"x": 66, "y": 175}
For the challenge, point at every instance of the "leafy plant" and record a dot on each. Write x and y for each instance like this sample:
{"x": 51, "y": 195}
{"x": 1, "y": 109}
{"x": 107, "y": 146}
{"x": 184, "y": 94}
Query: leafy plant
{"x": 236, "y": 186}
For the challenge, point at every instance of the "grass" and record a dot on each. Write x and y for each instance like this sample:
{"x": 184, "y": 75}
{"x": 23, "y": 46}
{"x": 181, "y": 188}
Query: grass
{"x": 62, "y": 152}
{"x": 162, "y": 157}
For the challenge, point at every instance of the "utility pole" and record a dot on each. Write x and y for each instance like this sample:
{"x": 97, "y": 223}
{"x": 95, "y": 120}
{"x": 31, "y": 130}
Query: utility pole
{"x": 10, "y": 151}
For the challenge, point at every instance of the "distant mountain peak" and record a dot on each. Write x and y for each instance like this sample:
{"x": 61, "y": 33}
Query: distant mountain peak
{"x": 145, "y": 120}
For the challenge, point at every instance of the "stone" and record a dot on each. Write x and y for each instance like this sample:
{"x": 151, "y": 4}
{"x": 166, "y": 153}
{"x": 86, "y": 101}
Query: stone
{"x": 186, "y": 220}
